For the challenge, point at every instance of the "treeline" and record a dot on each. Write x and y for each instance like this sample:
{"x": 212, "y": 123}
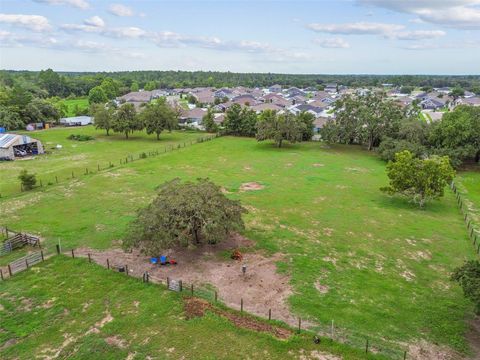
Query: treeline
{"x": 80, "y": 83}
{"x": 381, "y": 124}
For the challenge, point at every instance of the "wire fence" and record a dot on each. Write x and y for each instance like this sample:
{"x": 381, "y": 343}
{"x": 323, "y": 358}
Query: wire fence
{"x": 473, "y": 228}
{"x": 368, "y": 343}
{"x": 51, "y": 179}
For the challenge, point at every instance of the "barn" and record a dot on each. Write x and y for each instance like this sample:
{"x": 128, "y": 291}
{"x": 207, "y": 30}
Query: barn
{"x": 14, "y": 146}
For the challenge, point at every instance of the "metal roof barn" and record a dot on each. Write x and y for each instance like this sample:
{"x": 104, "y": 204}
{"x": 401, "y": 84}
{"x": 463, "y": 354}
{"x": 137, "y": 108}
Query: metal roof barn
{"x": 76, "y": 121}
{"x": 13, "y": 146}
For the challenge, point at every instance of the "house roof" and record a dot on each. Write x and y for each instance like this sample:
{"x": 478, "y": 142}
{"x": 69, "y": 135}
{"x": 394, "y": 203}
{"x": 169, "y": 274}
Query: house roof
{"x": 266, "y": 106}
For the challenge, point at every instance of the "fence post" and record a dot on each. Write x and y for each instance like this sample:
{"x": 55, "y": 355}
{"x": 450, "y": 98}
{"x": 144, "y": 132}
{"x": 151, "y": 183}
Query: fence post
{"x": 241, "y": 305}
{"x": 181, "y": 285}
{"x": 41, "y": 253}
{"x": 108, "y": 264}
{"x": 126, "y": 270}
{"x": 299, "y": 325}
{"x": 366, "y": 347}
{"x": 26, "y": 263}
{"x": 148, "y": 277}
{"x": 98, "y": 167}
{"x": 216, "y": 296}
{"x": 58, "y": 249}
{"x": 56, "y": 179}
{"x": 1, "y": 274}
{"x": 73, "y": 254}
{"x": 89, "y": 258}
{"x": 269, "y": 314}
{"x": 9, "y": 270}
{"x": 168, "y": 282}
{"x": 405, "y": 355}
{"x": 191, "y": 289}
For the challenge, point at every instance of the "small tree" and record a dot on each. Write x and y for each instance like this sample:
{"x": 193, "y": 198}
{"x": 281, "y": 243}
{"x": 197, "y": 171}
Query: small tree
{"x": 97, "y": 95}
{"x": 103, "y": 117}
{"x": 279, "y": 127}
{"x": 308, "y": 119}
{"x": 27, "y": 180}
{"x": 158, "y": 116}
{"x": 183, "y": 214}
{"x": 468, "y": 276}
{"x": 125, "y": 120}
{"x": 420, "y": 180}
{"x": 208, "y": 122}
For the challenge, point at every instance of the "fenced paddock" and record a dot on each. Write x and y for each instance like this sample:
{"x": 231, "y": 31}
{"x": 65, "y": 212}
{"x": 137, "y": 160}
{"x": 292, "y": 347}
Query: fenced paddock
{"x": 15, "y": 240}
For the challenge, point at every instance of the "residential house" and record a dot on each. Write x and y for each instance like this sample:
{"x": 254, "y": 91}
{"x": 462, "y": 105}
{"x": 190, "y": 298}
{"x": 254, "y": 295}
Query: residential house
{"x": 266, "y": 106}
{"x": 192, "y": 117}
{"x": 245, "y": 99}
{"x": 316, "y": 111}
{"x": 294, "y": 91}
{"x": 433, "y": 103}
{"x": 224, "y": 93}
{"x": 331, "y": 88}
{"x": 275, "y": 88}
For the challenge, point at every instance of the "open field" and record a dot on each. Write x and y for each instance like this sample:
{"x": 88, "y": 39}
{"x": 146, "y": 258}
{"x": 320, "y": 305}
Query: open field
{"x": 376, "y": 265}
{"x": 81, "y": 103}
{"x": 76, "y": 156}
{"x": 470, "y": 189}
{"x": 50, "y": 312}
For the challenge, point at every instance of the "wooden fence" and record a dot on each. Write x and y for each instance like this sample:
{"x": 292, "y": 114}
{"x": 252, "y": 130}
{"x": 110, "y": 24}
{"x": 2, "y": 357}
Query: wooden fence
{"x": 43, "y": 181}
{"x": 25, "y": 262}
{"x": 17, "y": 241}
{"x": 473, "y": 228}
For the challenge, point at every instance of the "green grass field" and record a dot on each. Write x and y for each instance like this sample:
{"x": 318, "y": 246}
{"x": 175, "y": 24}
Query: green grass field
{"x": 384, "y": 262}
{"x": 52, "y": 312}
{"x": 470, "y": 189}
{"x": 72, "y": 104}
{"x": 76, "y": 156}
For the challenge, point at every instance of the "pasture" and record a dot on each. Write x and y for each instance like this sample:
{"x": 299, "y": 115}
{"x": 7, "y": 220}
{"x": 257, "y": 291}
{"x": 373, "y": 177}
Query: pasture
{"x": 51, "y": 312}
{"x": 74, "y": 104}
{"x": 376, "y": 265}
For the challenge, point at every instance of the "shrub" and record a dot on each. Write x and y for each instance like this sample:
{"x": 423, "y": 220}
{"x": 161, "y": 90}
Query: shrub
{"x": 27, "y": 180}
{"x": 77, "y": 137}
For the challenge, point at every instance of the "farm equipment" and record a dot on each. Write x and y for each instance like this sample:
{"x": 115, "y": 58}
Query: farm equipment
{"x": 163, "y": 260}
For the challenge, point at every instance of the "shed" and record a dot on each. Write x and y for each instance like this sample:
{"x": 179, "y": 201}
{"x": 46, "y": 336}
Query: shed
{"x": 76, "y": 121}
{"x": 14, "y": 145}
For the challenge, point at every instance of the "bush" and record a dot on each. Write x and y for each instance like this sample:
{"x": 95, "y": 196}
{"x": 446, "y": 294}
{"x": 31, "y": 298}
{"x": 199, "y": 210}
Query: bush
{"x": 77, "y": 137}
{"x": 27, "y": 180}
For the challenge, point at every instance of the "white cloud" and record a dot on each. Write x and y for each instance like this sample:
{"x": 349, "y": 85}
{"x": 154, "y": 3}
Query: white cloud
{"x": 418, "y": 34}
{"x": 96, "y": 21}
{"x": 32, "y": 22}
{"x": 120, "y": 10}
{"x": 358, "y": 28}
{"x": 390, "y": 31}
{"x": 97, "y": 25}
{"x": 332, "y": 43}
{"x": 461, "y": 14}
{"x": 80, "y": 4}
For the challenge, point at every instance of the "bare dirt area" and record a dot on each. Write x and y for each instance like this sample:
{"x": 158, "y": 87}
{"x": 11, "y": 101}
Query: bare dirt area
{"x": 251, "y": 186}
{"x": 261, "y": 288}
{"x": 195, "y": 307}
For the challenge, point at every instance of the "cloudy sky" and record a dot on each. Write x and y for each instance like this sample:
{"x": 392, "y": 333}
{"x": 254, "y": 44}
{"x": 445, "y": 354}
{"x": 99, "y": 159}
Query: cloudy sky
{"x": 329, "y": 36}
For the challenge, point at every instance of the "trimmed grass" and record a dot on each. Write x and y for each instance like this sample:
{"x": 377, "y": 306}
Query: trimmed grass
{"x": 76, "y": 156}
{"x": 384, "y": 262}
{"x": 50, "y": 309}
{"x": 470, "y": 189}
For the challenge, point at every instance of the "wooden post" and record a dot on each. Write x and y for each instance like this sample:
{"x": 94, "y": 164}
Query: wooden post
{"x": 58, "y": 249}
{"x": 26, "y": 263}
{"x": 73, "y": 254}
{"x": 1, "y": 274}
{"x": 241, "y": 305}
{"x": 168, "y": 282}
{"x": 9, "y": 270}
{"x": 181, "y": 285}
{"x": 89, "y": 258}
{"x": 126, "y": 270}
{"x": 148, "y": 277}
{"x": 98, "y": 167}
{"x": 269, "y": 314}
{"x": 41, "y": 253}
{"x": 216, "y": 296}
{"x": 405, "y": 355}
{"x": 366, "y": 347}
{"x": 56, "y": 179}
{"x": 299, "y": 325}
{"x": 108, "y": 264}
{"x": 191, "y": 289}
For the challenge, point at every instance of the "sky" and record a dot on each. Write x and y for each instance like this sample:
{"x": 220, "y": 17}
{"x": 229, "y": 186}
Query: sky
{"x": 315, "y": 37}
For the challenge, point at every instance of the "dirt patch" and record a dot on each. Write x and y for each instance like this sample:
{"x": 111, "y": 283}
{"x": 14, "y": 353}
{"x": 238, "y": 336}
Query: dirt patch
{"x": 318, "y": 165}
{"x": 251, "y": 186}
{"x": 423, "y": 350}
{"x": 262, "y": 287}
{"x": 408, "y": 275}
{"x": 322, "y": 289}
{"x": 96, "y": 328}
{"x": 317, "y": 355}
{"x": 473, "y": 337}
{"x": 195, "y": 307}
{"x": 116, "y": 341}
{"x": 8, "y": 343}
{"x": 327, "y": 231}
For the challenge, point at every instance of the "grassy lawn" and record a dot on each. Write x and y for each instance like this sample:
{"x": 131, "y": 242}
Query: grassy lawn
{"x": 50, "y": 310}
{"x": 382, "y": 264}
{"x": 470, "y": 189}
{"x": 76, "y": 156}
{"x": 80, "y": 103}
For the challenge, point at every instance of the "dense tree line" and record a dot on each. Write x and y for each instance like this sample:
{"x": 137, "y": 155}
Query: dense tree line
{"x": 381, "y": 124}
